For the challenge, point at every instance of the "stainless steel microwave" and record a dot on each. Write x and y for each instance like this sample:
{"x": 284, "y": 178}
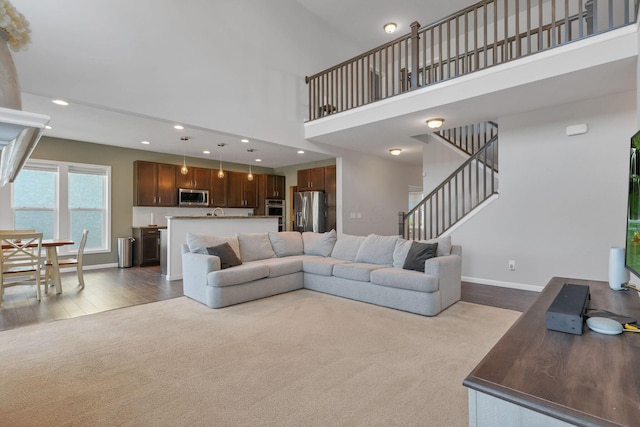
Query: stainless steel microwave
{"x": 189, "y": 197}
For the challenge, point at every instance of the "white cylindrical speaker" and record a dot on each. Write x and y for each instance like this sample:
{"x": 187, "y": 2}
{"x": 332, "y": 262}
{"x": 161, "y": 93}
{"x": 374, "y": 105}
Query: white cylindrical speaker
{"x": 617, "y": 273}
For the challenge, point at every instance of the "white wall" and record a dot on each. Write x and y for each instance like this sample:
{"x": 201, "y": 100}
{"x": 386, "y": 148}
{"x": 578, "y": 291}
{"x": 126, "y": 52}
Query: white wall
{"x": 375, "y": 188}
{"x": 562, "y": 199}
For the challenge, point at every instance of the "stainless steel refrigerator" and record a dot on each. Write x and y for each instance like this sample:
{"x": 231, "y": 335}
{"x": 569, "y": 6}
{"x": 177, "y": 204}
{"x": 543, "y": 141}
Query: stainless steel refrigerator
{"x": 310, "y": 211}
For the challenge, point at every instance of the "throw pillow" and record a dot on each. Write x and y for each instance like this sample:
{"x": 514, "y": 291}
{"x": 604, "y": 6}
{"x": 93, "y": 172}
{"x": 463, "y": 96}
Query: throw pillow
{"x": 346, "y": 247}
{"x": 318, "y": 243}
{"x": 418, "y": 254}
{"x": 286, "y": 243}
{"x": 228, "y": 257}
{"x": 400, "y": 252}
{"x": 198, "y": 243}
{"x": 255, "y": 246}
{"x": 377, "y": 249}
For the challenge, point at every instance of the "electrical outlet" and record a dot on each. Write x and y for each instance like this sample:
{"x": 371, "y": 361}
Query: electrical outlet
{"x": 512, "y": 265}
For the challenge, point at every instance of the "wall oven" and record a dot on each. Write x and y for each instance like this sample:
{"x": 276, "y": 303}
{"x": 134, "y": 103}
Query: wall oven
{"x": 275, "y": 207}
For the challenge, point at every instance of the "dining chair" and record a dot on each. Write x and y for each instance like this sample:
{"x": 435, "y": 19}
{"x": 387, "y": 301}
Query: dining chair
{"x": 21, "y": 261}
{"x": 66, "y": 262}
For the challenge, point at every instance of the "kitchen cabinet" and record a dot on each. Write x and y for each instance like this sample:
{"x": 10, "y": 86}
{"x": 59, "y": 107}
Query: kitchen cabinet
{"x": 217, "y": 189}
{"x": 242, "y": 193}
{"x": 311, "y": 179}
{"x": 261, "y": 183}
{"x": 154, "y": 184}
{"x": 330, "y": 186}
{"x": 275, "y": 188}
{"x": 196, "y": 178}
{"x": 146, "y": 247}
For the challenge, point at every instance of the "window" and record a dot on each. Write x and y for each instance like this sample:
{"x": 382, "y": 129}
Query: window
{"x": 61, "y": 199}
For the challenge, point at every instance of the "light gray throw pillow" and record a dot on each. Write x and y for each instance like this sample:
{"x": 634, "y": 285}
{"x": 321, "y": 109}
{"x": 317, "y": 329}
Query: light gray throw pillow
{"x": 347, "y": 246}
{"x": 198, "y": 243}
{"x": 377, "y": 249}
{"x": 255, "y": 246}
{"x": 286, "y": 243}
{"x": 402, "y": 249}
{"x": 318, "y": 243}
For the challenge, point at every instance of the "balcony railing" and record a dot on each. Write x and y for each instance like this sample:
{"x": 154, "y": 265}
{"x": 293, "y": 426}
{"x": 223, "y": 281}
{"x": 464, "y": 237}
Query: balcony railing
{"x": 485, "y": 34}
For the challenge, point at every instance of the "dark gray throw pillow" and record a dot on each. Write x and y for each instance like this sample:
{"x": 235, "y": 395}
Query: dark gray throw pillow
{"x": 418, "y": 254}
{"x": 228, "y": 257}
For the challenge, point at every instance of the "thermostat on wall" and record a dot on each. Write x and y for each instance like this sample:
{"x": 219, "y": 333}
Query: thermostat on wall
{"x": 577, "y": 129}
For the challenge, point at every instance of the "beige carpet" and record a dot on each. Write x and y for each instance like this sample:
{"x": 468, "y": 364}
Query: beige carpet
{"x": 298, "y": 359}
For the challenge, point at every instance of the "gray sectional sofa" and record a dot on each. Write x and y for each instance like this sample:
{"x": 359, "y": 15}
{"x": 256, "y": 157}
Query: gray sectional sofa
{"x": 368, "y": 269}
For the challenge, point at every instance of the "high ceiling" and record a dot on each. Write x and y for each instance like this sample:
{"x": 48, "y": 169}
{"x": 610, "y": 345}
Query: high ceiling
{"x": 131, "y": 70}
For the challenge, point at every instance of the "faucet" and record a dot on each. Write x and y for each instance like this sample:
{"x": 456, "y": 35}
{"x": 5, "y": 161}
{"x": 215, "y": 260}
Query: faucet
{"x": 218, "y": 212}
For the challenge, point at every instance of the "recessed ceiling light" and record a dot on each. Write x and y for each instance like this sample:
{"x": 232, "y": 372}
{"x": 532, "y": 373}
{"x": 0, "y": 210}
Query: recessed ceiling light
{"x": 258, "y": 160}
{"x": 178, "y": 127}
{"x": 390, "y": 27}
{"x": 145, "y": 142}
{"x": 395, "y": 151}
{"x": 244, "y": 140}
{"x": 435, "y": 123}
{"x": 300, "y": 151}
{"x": 48, "y": 127}
{"x": 60, "y": 102}
{"x": 206, "y": 152}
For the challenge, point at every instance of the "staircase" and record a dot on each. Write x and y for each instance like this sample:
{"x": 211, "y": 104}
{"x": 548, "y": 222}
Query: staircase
{"x": 466, "y": 189}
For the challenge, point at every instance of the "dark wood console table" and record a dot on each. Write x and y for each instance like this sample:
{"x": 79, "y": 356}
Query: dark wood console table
{"x": 534, "y": 376}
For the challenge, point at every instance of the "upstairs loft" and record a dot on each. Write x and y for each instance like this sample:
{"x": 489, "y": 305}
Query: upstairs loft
{"x": 492, "y": 58}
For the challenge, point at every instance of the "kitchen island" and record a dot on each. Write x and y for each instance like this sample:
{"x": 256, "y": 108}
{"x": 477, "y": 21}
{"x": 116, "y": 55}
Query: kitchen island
{"x": 178, "y": 226}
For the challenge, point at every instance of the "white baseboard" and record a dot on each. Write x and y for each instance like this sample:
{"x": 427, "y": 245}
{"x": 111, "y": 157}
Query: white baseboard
{"x": 90, "y": 267}
{"x": 498, "y": 283}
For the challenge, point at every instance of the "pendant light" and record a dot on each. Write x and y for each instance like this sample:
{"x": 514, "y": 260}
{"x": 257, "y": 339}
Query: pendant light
{"x": 184, "y": 170}
{"x": 250, "y": 176}
{"x": 220, "y": 171}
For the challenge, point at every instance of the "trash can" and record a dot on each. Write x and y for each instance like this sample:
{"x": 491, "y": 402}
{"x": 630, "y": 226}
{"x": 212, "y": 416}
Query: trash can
{"x": 125, "y": 252}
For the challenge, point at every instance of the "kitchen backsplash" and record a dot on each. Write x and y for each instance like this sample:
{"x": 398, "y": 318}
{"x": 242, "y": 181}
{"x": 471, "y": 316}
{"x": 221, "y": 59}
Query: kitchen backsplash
{"x": 144, "y": 215}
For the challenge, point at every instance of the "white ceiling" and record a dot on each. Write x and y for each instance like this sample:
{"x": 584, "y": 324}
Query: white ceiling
{"x": 83, "y": 52}
{"x": 132, "y": 70}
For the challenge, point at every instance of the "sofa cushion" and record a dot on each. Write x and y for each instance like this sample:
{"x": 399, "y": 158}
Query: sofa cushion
{"x": 238, "y": 275}
{"x": 199, "y": 243}
{"x": 280, "y": 266}
{"x": 377, "y": 249}
{"x": 418, "y": 254}
{"x": 228, "y": 257}
{"x": 254, "y": 246}
{"x": 355, "y": 270}
{"x": 318, "y": 243}
{"x": 402, "y": 249}
{"x": 404, "y": 279}
{"x": 347, "y": 246}
{"x": 321, "y": 266}
{"x": 286, "y": 243}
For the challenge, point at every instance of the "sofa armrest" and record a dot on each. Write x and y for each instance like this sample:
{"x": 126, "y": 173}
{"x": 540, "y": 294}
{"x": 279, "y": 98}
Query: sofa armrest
{"x": 195, "y": 268}
{"x": 448, "y": 270}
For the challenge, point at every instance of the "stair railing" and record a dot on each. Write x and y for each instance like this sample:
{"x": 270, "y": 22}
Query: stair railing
{"x": 470, "y": 138}
{"x": 475, "y": 181}
{"x": 482, "y": 35}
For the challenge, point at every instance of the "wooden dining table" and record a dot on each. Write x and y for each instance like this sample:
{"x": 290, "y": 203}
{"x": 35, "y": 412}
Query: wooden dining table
{"x": 52, "y": 255}
{"x": 51, "y": 245}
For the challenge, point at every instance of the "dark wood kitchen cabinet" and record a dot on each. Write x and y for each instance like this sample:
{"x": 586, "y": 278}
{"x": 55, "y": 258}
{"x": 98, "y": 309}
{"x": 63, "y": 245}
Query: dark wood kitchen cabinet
{"x": 275, "y": 188}
{"x": 196, "y": 178}
{"x": 242, "y": 192}
{"x": 154, "y": 184}
{"x": 330, "y": 195}
{"x": 218, "y": 189}
{"x": 311, "y": 179}
{"x": 146, "y": 247}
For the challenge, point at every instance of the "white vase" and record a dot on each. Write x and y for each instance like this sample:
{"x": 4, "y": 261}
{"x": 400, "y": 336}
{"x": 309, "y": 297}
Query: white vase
{"x": 10, "y": 96}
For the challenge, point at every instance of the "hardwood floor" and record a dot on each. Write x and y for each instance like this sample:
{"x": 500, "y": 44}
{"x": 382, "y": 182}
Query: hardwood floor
{"x": 104, "y": 290}
{"x": 113, "y": 288}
